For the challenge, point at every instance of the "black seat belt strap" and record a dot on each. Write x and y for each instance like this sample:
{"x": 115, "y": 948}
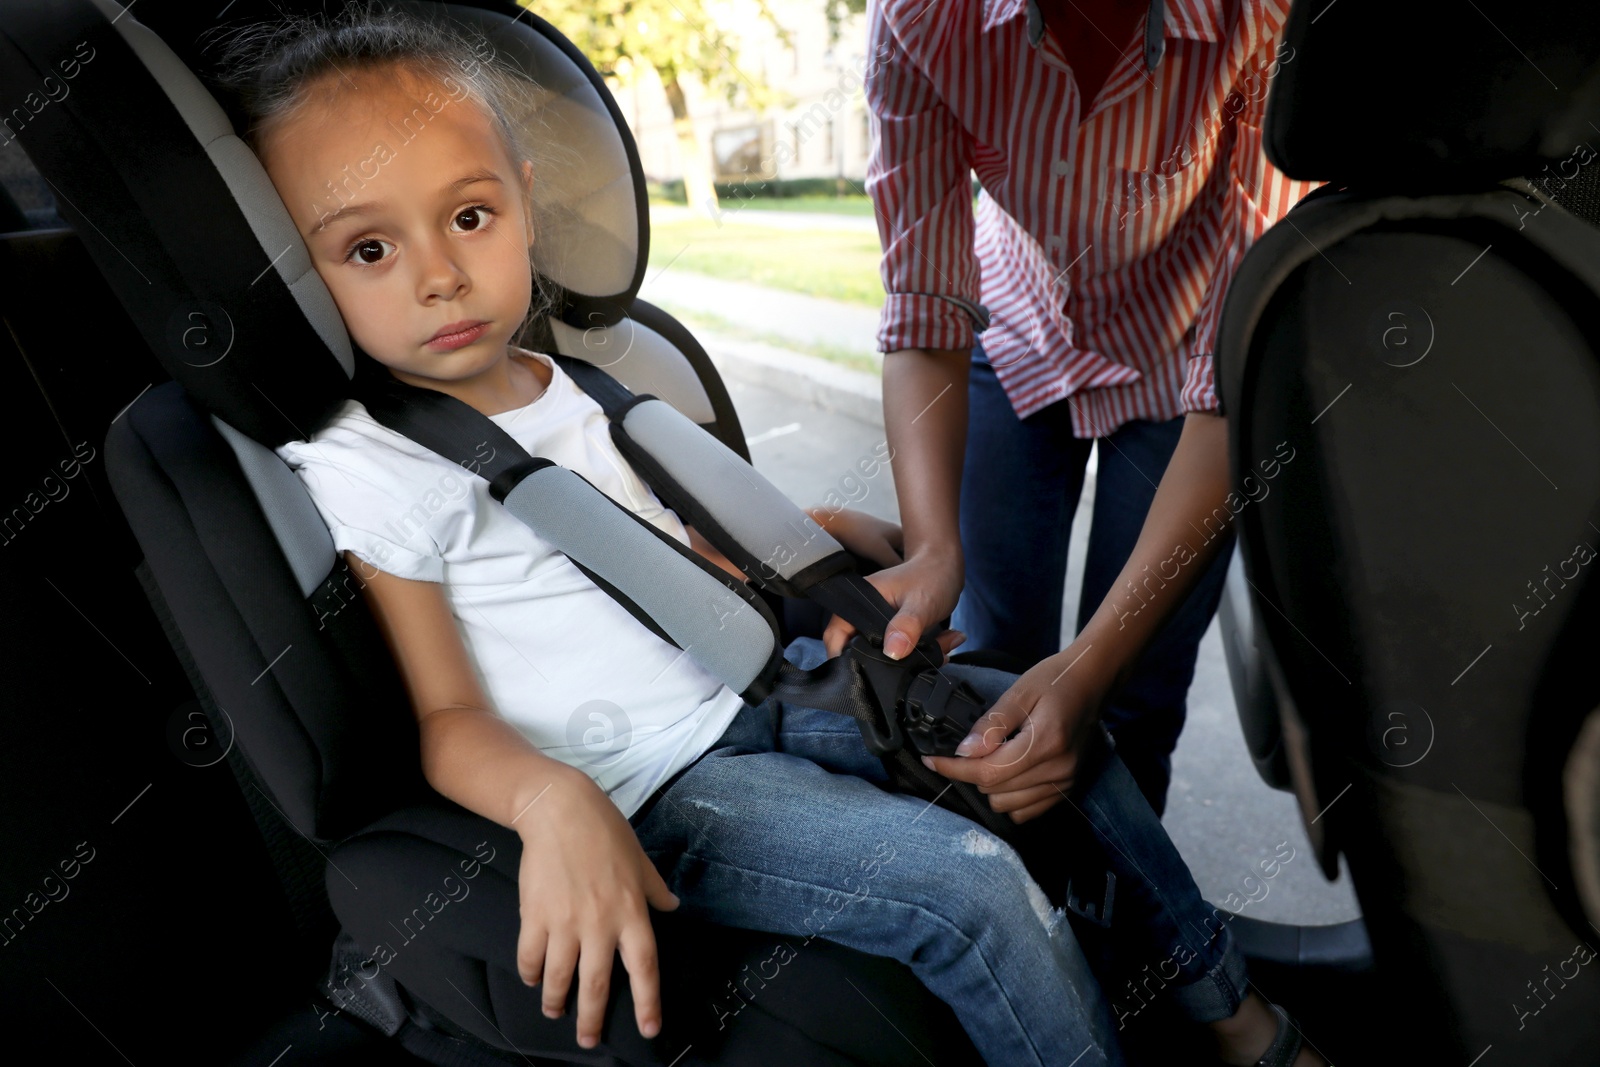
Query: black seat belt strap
{"x": 613, "y": 397}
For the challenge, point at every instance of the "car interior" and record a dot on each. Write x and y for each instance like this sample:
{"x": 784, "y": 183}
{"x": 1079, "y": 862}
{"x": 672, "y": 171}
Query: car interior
{"x": 217, "y": 814}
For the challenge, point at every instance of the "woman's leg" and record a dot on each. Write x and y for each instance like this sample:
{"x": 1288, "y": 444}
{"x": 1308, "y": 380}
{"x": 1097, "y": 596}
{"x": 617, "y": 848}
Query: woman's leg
{"x": 763, "y": 839}
{"x": 1020, "y": 484}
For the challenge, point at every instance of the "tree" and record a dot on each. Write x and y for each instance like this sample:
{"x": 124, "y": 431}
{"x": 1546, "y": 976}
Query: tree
{"x": 838, "y": 11}
{"x": 680, "y": 40}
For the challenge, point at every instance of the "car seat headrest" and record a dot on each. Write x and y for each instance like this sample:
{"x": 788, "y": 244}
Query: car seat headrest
{"x": 589, "y": 194}
{"x": 1402, "y": 96}
{"x": 187, "y": 228}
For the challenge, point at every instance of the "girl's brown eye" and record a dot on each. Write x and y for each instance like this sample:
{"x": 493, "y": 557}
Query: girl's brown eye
{"x": 369, "y": 246}
{"x": 471, "y": 213}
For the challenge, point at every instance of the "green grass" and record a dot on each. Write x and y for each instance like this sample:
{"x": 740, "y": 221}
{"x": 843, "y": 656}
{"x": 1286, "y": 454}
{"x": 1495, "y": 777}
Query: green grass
{"x": 823, "y": 205}
{"x": 842, "y": 266}
{"x": 708, "y": 322}
{"x": 828, "y": 205}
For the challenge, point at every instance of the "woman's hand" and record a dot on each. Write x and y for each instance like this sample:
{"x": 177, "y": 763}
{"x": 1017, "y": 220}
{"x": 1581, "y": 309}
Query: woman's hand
{"x": 1056, "y": 703}
{"x": 584, "y": 884}
{"x": 923, "y": 590}
{"x": 1052, "y": 709}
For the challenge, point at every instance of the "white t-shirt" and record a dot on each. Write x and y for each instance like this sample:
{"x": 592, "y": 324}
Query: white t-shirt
{"x": 560, "y": 660}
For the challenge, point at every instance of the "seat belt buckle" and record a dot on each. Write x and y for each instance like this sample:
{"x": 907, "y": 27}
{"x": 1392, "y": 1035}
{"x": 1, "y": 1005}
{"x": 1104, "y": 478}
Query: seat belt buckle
{"x": 938, "y": 711}
{"x": 929, "y": 709}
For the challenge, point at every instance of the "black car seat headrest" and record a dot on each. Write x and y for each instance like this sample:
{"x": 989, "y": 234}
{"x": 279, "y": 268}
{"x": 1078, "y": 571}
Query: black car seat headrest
{"x": 194, "y": 240}
{"x": 1434, "y": 96}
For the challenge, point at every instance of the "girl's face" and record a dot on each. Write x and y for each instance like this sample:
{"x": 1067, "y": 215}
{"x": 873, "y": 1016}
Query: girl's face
{"x": 415, "y": 218}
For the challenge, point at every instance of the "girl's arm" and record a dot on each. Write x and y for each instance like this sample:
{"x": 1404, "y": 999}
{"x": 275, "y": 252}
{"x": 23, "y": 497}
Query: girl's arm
{"x": 698, "y": 542}
{"x": 584, "y": 882}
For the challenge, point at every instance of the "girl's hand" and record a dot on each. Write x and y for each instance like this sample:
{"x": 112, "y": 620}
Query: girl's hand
{"x": 584, "y": 884}
{"x": 698, "y": 542}
{"x": 866, "y": 535}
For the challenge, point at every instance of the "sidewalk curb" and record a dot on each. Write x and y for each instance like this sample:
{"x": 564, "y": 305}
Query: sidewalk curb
{"x": 798, "y": 375}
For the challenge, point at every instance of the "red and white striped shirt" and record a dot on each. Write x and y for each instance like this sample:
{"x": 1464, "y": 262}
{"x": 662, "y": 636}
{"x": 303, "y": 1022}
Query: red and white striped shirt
{"x": 1105, "y": 238}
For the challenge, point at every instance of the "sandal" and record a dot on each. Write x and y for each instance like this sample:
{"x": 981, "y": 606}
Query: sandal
{"x": 1285, "y": 1043}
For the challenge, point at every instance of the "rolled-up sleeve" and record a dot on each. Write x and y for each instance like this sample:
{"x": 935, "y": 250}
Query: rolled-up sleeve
{"x": 919, "y": 178}
{"x": 1200, "y": 385}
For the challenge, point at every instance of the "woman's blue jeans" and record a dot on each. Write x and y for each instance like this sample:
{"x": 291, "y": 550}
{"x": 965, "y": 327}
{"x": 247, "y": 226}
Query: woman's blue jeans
{"x": 1019, "y": 490}
{"x": 782, "y": 826}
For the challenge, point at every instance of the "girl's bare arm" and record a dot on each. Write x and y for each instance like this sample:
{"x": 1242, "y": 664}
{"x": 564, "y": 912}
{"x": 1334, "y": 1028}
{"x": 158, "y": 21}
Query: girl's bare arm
{"x": 584, "y": 882}
{"x": 469, "y": 753}
{"x": 698, "y": 542}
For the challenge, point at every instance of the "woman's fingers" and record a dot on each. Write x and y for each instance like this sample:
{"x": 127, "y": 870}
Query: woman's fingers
{"x": 1056, "y": 770}
{"x": 1033, "y": 811}
{"x": 1020, "y": 799}
{"x": 838, "y": 634}
{"x": 905, "y": 629}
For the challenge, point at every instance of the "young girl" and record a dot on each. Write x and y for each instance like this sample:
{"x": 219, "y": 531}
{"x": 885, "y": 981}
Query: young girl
{"x": 392, "y": 144}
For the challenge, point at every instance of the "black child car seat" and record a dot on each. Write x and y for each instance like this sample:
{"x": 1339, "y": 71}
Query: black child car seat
{"x": 269, "y": 625}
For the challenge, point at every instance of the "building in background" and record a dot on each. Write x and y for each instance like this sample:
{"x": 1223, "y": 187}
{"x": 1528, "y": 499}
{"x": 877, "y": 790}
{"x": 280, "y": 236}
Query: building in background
{"x": 820, "y": 133}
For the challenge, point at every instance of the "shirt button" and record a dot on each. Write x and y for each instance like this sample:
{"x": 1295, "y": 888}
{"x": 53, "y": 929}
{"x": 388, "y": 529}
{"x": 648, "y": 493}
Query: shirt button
{"x": 1061, "y": 168}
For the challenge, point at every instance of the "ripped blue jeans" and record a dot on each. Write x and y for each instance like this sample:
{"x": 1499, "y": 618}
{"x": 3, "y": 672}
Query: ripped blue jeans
{"x": 782, "y": 826}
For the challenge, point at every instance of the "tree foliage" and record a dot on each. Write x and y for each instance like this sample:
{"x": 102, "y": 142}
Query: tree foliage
{"x": 679, "y": 38}
{"x": 838, "y": 11}
{"x": 682, "y": 41}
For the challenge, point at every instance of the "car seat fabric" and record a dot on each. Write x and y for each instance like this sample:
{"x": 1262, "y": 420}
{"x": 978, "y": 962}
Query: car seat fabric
{"x": 1389, "y": 559}
{"x": 285, "y": 658}
{"x": 295, "y": 524}
{"x": 325, "y": 729}
{"x": 437, "y": 889}
{"x": 1422, "y": 332}
{"x": 1428, "y": 96}
{"x": 144, "y": 128}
